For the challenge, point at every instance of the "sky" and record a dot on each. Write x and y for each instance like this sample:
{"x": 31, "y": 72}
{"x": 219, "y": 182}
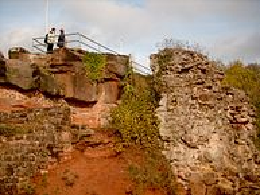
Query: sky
{"x": 225, "y": 29}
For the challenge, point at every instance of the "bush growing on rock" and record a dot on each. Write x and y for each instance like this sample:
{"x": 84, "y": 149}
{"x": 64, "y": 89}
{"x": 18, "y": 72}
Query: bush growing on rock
{"x": 137, "y": 124}
{"x": 94, "y": 64}
{"x": 246, "y": 78}
{"x": 135, "y": 117}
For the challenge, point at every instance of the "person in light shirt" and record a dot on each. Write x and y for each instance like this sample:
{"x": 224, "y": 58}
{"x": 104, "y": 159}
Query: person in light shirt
{"x": 50, "y": 40}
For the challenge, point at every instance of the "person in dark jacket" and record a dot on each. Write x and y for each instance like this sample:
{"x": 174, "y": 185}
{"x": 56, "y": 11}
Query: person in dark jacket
{"x": 61, "y": 39}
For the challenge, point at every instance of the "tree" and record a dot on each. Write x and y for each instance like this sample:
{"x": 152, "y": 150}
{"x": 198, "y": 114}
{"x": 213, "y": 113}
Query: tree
{"x": 246, "y": 78}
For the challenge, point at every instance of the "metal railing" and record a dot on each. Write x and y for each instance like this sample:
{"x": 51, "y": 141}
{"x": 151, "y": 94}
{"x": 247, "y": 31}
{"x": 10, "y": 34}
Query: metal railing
{"x": 74, "y": 38}
{"x": 78, "y": 40}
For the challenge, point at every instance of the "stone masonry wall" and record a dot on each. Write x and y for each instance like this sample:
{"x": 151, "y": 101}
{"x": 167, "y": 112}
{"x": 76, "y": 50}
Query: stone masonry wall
{"x": 30, "y": 141}
{"x": 207, "y": 128}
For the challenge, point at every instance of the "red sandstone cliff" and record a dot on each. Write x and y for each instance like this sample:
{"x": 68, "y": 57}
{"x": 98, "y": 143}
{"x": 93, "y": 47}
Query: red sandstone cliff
{"x": 35, "y": 80}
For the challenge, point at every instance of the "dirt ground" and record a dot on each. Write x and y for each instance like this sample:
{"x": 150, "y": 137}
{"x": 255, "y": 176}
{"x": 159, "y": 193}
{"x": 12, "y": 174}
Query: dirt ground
{"x": 93, "y": 172}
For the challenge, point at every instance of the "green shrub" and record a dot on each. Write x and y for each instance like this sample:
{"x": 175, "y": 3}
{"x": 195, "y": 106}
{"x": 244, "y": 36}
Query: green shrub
{"x": 135, "y": 116}
{"x": 137, "y": 124}
{"x": 246, "y": 78}
{"x": 94, "y": 65}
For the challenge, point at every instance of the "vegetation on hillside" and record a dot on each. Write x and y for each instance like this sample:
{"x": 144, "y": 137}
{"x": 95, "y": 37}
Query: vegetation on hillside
{"x": 134, "y": 117}
{"x": 246, "y": 78}
{"x": 137, "y": 124}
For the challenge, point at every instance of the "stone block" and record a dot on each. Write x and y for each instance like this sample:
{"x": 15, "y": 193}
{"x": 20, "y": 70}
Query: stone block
{"x": 17, "y": 52}
{"x": 19, "y": 73}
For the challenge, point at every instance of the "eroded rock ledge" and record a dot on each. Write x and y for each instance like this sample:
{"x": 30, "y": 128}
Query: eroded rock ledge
{"x": 62, "y": 76}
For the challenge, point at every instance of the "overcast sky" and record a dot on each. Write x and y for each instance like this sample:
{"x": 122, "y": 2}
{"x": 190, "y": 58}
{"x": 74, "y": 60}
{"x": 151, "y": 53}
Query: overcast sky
{"x": 227, "y": 29}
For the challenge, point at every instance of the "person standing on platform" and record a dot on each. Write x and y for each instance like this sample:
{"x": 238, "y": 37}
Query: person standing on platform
{"x": 61, "y": 39}
{"x": 50, "y": 41}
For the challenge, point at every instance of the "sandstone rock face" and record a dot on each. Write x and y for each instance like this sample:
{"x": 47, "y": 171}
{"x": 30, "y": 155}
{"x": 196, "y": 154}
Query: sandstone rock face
{"x": 1, "y": 55}
{"x": 207, "y": 128}
{"x": 11, "y": 100}
{"x": 63, "y": 75}
{"x": 16, "y": 52}
{"x": 2, "y": 69}
{"x": 94, "y": 117}
{"x": 19, "y": 73}
{"x": 116, "y": 64}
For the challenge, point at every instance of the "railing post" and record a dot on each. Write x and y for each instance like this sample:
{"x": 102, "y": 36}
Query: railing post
{"x": 32, "y": 44}
{"x": 99, "y": 51}
{"x": 79, "y": 39}
{"x": 99, "y": 48}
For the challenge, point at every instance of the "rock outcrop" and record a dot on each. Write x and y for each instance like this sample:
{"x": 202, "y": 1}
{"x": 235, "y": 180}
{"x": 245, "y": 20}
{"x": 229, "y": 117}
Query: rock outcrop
{"x": 62, "y": 75}
{"x": 207, "y": 128}
{"x": 15, "y": 52}
{"x": 1, "y": 55}
{"x": 47, "y": 104}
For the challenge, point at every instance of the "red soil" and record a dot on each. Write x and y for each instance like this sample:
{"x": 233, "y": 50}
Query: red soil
{"x": 98, "y": 174}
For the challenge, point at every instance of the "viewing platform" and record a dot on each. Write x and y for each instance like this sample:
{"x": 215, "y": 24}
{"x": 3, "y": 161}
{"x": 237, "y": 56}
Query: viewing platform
{"x": 79, "y": 42}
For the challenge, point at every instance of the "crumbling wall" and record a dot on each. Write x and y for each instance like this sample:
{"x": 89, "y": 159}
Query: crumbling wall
{"x": 207, "y": 128}
{"x": 30, "y": 141}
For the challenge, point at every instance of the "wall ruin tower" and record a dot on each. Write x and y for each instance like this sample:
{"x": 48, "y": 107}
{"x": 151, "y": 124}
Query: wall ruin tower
{"x": 207, "y": 128}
